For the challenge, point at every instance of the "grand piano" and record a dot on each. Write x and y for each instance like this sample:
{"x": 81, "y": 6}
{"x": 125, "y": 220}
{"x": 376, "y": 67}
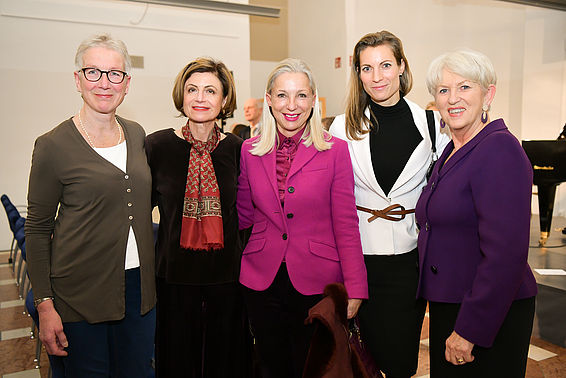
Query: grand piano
{"x": 548, "y": 158}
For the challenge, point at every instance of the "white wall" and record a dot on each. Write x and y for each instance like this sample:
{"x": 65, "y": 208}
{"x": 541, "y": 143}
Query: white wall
{"x": 38, "y": 40}
{"x": 526, "y": 45}
{"x": 427, "y": 29}
{"x": 544, "y": 73}
{"x": 317, "y": 34}
{"x": 260, "y": 69}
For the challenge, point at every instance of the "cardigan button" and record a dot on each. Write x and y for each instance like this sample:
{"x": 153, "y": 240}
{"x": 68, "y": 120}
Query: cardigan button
{"x": 433, "y": 269}
{"x": 290, "y": 215}
{"x": 129, "y": 190}
{"x": 126, "y": 177}
{"x": 291, "y": 189}
{"x": 131, "y": 217}
{"x": 284, "y": 236}
{"x": 129, "y": 204}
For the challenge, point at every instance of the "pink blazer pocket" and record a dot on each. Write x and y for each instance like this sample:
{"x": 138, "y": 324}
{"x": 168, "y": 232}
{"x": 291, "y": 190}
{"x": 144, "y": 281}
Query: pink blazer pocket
{"x": 259, "y": 227}
{"x": 254, "y": 246}
{"x": 315, "y": 166}
{"x": 324, "y": 250}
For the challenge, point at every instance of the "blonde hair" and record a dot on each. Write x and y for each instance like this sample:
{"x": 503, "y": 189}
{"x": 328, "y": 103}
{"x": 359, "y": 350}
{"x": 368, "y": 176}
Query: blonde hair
{"x": 469, "y": 64}
{"x": 358, "y": 100}
{"x": 106, "y": 41}
{"x": 313, "y": 133}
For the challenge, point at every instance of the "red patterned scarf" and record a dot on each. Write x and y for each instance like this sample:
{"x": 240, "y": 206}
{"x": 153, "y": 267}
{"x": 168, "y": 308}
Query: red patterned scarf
{"x": 201, "y": 228}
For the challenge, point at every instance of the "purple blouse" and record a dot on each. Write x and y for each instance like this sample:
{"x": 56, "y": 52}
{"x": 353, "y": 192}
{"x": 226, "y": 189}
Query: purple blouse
{"x": 286, "y": 151}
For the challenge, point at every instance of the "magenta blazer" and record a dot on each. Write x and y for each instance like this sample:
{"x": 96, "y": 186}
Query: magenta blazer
{"x": 315, "y": 232}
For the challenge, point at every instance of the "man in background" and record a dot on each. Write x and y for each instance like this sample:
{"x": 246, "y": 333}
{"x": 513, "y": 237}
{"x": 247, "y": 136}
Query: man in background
{"x": 252, "y": 113}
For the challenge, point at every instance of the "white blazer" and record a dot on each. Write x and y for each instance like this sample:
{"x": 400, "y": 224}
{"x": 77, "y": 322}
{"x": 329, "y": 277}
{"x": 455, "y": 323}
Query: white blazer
{"x": 381, "y": 236}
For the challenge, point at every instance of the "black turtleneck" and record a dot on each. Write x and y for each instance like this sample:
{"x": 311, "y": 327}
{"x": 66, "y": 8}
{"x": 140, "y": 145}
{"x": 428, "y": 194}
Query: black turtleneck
{"x": 393, "y": 138}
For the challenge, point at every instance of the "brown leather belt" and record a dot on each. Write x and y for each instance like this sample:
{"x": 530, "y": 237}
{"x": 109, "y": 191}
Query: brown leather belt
{"x": 393, "y": 212}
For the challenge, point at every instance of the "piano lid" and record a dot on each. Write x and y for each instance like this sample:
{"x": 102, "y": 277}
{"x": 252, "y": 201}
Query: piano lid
{"x": 548, "y": 158}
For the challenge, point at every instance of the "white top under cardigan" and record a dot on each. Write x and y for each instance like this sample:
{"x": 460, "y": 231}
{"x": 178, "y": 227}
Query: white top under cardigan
{"x": 118, "y": 155}
{"x": 384, "y": 237}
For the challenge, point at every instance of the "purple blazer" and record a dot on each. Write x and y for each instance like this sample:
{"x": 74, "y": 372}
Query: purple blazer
{"x": 316, "y": 231}
{"x": 474, "y": 219}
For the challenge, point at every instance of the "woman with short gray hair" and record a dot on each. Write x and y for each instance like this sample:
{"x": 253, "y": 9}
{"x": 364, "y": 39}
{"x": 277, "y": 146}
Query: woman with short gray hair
{"x": 474, "y": 217}
{"x": 89, "y": 234}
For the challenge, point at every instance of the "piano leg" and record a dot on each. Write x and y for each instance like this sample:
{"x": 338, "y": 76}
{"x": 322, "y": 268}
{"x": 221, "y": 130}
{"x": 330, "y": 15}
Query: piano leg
{"x": 546, "y": 194}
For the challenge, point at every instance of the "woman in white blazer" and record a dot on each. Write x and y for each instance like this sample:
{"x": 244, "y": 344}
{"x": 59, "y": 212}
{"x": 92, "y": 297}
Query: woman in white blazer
{"x": 391, "y": 151}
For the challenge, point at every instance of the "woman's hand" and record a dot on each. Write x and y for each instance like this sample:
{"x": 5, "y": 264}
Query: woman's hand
{"x": 51, "y": 329}
{"x": 458, "y": 350}
{"x": 353, "y": 306}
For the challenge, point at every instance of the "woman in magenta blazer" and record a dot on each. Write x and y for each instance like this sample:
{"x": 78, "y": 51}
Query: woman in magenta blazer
{"x": 296, "y": 194}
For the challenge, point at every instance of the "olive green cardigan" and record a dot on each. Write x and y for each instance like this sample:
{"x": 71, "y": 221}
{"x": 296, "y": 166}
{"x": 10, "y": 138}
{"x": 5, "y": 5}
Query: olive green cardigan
{"x": 80, "y": 208}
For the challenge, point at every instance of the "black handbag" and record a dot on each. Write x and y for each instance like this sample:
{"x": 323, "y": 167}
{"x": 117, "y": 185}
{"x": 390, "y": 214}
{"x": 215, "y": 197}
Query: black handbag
{"x": 432, "y": 134}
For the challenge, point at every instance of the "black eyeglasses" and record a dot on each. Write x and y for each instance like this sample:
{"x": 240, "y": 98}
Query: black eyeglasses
{"x": 94, "y": 74}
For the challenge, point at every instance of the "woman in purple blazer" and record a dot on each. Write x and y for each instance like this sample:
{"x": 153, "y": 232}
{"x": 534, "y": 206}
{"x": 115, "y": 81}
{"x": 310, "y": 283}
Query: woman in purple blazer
{"x": 474, "y": 218}
{"x": 296, "y": 193}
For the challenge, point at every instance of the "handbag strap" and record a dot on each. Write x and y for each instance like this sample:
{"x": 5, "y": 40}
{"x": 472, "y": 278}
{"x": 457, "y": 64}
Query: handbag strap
{"x": 431, "y": 129}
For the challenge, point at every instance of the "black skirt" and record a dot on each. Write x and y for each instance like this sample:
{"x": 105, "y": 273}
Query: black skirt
{"x": 507, "y": 357}
{"x": 392, "y": 317}
{"x": 201, "y": 331}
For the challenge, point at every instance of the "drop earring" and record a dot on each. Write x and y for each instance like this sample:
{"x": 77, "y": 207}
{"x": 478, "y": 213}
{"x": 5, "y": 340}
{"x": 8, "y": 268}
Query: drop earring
{"x": 484, "y": 109}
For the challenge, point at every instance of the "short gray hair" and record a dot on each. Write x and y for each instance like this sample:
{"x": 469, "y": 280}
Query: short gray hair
{"x": 469, "y": 64}
{"x": 106, "y": 41}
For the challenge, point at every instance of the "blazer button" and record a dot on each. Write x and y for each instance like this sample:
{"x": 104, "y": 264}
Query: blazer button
{"x": 433, "y": 269}
{"x": 284, "y": 236}
{"x": 290, "y": 215}
{"x": 291, "y": 189}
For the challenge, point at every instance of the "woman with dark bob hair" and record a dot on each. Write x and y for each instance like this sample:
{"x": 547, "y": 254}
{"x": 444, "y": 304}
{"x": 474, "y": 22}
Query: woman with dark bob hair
{"x": 391, "y": 149}
{"x": 200, "y": 323}
{"x": 473, "y": 252}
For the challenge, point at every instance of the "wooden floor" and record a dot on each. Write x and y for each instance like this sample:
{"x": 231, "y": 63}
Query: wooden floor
{"x": 17, "y": 349}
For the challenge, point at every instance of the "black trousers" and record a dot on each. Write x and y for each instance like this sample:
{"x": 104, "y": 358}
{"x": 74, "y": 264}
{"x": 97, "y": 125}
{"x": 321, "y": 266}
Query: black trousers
{"x": 506, "y": 358}
{"x": 392, "y": 317}
{"x": 201, "y": 331}
{"x": 120, "y": 348}
{"x": 277, "y": 317}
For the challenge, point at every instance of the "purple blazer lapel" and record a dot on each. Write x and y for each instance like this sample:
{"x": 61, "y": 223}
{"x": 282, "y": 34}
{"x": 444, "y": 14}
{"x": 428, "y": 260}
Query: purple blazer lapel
{"x": 496, "y": 125}
{"x": 303, "y": 156}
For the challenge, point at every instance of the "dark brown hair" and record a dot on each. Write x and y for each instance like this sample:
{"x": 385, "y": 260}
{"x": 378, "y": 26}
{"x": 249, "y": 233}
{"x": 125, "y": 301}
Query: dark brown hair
{"x": 204, "y": 64}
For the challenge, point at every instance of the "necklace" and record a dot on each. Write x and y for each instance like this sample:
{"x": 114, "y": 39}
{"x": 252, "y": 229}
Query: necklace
{"x": 88, "y": 136}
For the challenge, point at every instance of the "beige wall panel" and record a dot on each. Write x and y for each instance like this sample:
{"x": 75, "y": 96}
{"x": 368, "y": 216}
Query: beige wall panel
{"x": 268, "y": 36}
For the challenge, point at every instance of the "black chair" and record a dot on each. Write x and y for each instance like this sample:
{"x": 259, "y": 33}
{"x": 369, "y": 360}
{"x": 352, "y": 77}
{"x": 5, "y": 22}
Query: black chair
{"x": 22, "y": 268}
{"x": 14, "y": 217}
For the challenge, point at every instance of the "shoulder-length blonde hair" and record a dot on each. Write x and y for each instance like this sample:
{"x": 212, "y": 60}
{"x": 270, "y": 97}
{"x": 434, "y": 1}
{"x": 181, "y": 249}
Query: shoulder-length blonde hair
{"x": 358, "y": 100}
{"x": 313, "y": 133}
